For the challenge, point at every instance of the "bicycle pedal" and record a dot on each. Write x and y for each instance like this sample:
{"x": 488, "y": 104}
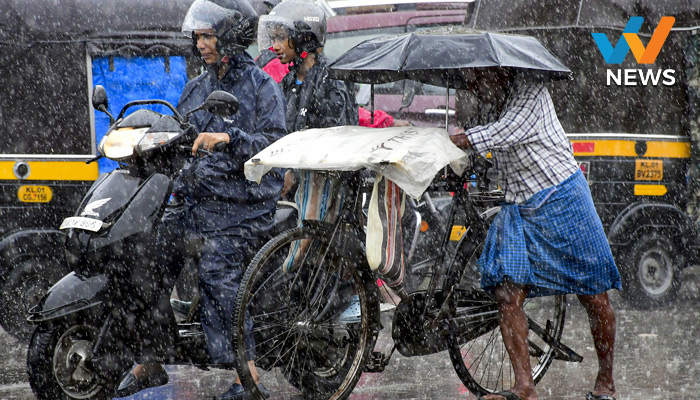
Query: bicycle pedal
{"x": 534, "y": 350}
{"x": 377, "y": 362}
{"x": 565, "y": 353}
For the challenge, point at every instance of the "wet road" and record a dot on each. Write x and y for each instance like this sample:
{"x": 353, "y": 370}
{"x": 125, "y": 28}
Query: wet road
{"x": 657, "y": 357}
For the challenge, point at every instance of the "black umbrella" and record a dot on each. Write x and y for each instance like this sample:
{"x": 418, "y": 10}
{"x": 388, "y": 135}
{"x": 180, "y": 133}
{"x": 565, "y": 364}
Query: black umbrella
{"x": 445, "y": 57}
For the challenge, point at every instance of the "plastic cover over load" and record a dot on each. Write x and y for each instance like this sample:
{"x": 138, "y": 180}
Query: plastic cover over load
{"x": 409, "y": 156}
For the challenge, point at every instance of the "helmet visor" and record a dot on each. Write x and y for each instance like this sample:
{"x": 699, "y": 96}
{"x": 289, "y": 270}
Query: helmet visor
{"x": 273, "y": 28}
{"x": 204, "y": 15}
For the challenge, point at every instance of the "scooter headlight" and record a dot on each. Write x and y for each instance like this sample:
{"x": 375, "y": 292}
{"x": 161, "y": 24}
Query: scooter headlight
{"x": 119, "y": 144}
{"x": 151, "y": 140}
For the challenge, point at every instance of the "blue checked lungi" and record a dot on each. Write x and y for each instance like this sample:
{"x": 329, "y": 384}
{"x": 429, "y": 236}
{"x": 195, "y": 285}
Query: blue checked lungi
{"x": 554, "y": 243}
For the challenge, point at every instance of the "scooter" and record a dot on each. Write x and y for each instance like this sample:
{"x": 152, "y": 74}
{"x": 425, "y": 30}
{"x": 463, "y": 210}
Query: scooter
{"x": 85, "y": 341}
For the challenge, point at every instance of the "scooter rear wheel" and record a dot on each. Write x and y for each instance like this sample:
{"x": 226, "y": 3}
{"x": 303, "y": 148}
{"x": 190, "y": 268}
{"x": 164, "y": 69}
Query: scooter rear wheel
{"x": 304, "y": 344}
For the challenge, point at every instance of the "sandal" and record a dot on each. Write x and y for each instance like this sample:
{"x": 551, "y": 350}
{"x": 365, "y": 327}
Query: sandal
{"x": 591, "y": 396}
{"x": 506, "y": 394}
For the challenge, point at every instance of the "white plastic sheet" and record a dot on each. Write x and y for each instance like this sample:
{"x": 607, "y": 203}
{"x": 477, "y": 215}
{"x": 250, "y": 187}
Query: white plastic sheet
{"x": 409, "y": 156}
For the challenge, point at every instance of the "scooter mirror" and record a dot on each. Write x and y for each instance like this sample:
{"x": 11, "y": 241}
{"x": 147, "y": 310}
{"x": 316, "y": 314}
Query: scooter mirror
{"x": 100, "y": 102}
{"x": 221, "y": 103}
{"x": 99, "y": 98}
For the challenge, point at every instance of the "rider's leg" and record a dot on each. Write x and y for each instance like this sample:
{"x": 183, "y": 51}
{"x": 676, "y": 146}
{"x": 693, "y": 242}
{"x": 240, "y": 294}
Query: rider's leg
{"x": 156, "y": 319}
{"x": 167, "y": 258}
{"x": 602, "y": 319}
{"x": 222, "y": 263}
{"x": 513, "y": 322}
{"x": 221, "y": 266}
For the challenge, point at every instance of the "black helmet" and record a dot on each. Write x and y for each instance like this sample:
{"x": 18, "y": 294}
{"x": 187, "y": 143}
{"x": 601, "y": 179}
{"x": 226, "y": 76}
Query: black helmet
{"x": 234, "y": 23}
{"x": 304, "y": 22}
{"x": 263, "y": 7}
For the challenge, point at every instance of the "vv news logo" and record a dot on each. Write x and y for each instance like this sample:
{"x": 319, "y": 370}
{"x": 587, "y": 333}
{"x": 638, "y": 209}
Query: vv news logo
{"x": 644, "y": 55}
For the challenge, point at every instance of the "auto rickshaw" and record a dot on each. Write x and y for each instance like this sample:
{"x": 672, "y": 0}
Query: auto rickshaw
{"x": 51, "y": 56}
{"x": 633, "y": 143}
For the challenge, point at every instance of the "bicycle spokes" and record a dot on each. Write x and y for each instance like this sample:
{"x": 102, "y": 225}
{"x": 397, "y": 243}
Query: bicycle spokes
{"x": 294, "y": 333}
{"x": 482, "y": 361}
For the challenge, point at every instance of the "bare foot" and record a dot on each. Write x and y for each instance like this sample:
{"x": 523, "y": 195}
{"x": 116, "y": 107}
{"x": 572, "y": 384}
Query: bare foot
{"x": 604, "y": 386}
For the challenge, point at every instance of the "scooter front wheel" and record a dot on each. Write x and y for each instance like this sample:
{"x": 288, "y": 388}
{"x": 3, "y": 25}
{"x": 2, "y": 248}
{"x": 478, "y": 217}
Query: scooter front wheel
{"x": 58, "y": 367}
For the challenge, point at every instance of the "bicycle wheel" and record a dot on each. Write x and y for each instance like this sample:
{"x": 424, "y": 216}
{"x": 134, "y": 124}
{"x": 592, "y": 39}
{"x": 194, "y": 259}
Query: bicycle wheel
{"x": 302, "y": 341}
{"x": 479, "y": 356}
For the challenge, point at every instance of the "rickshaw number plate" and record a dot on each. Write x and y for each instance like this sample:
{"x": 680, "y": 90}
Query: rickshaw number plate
{"x": 34, "y": 194}
{"x": 457, "y": 232}
{"x": 648, "y": 170}
{"x": 89, "y": 224}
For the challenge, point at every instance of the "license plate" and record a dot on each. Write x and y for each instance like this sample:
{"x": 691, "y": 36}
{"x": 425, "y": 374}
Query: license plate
{"x": 584, "y": 166}
{"x": 457, "y": 232}
{"x": 34, "y": 194}
{"x": 89, "y": 224}
{"x": 648, "y": 170}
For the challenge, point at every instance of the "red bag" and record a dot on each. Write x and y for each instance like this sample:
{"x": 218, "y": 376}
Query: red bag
{"x": 381, "y": 119}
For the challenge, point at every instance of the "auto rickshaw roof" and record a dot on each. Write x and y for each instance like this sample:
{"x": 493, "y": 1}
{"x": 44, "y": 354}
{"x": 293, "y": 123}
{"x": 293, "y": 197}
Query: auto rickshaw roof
{"x": 32, "y": 20}
{"x": 614, "y": 14}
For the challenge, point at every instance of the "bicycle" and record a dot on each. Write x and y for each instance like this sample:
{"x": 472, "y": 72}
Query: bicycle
{"x": 301, "y": 345}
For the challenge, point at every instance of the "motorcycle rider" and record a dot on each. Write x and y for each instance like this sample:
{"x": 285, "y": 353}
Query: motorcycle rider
{"x": 229, "y": 214}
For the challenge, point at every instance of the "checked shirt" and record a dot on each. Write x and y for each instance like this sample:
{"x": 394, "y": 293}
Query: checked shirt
{"x": 529, "y": 147}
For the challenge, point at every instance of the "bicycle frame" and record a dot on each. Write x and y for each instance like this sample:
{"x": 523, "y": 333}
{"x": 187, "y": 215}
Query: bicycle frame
{"x": 351, "y": 215}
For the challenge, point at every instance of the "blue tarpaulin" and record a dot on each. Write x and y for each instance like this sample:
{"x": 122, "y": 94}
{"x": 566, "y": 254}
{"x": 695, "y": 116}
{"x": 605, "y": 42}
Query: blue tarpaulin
{"x": 135, "y": 78}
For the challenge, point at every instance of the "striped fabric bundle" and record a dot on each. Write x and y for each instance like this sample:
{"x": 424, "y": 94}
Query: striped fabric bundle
{"x": 319, "y": 197}
{"x": 384, "y": 238}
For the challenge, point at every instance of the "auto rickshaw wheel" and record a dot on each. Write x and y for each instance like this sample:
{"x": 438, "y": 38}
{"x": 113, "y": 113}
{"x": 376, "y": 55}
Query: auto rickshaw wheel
{"x": 651, "y": 272}
{"x": 30, "y": 278}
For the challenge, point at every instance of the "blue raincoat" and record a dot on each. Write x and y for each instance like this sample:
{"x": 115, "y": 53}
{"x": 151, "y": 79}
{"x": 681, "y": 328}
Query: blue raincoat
{"x": 232, "y": 215}
{"x": 259, "y": 122}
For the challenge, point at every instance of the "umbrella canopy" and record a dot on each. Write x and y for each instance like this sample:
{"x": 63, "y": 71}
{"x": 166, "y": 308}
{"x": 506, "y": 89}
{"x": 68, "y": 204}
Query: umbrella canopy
{"x": 445, "y": 57}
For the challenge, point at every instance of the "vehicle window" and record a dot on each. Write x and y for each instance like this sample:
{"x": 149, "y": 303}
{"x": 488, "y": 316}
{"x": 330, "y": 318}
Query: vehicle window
{"x": 340, "y": 42}
{"x": 45, "y": 108}
{"x": 433, "y": 90}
